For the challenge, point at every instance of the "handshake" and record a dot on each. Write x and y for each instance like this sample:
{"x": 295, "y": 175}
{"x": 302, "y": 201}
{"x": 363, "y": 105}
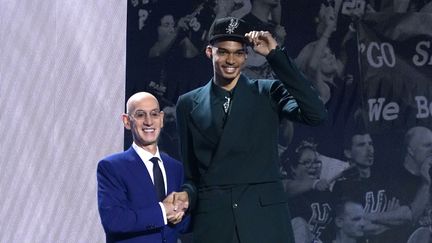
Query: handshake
{"x": 176, "y": 204}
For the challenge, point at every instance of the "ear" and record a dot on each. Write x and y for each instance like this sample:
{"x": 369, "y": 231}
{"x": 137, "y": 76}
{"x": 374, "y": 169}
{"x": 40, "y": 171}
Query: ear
{"x": 410, "y": 151}
{"x": 126, "y": 121}
{"x": 162, "y": 115}
{"x": 209, "y": 51}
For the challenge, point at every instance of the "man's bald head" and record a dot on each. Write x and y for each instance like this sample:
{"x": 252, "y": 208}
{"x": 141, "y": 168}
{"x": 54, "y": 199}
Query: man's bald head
{"x": 144, "y": 119}
{"x": 138, "y": 97}
{"x": 418, "y": 141}
{"x": 416, "y": 134}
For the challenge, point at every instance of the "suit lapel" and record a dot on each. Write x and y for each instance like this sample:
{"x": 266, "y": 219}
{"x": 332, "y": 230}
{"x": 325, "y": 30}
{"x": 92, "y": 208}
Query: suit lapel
{"x": 236, "y": 130}
{"x": 201, "y": 113}
{"x": 138, "y": 170}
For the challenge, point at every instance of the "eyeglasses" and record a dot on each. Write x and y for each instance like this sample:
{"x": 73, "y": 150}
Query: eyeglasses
{"x": 141, "y": 115}
{"x": 308, "y": 163}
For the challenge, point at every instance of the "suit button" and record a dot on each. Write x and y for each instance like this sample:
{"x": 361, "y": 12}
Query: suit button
{"x": 235, "y": 205}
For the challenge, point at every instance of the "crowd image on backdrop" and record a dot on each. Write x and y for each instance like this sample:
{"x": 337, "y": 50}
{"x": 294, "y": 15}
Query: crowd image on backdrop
{"x": 342, "y": 180}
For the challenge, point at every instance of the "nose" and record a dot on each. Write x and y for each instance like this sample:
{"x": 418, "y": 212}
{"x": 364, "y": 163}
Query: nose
{"x": 230, "y": 59}
{"x": 147, "y": 120}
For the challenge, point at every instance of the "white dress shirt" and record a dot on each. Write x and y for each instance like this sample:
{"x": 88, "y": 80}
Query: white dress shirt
{"x": 145, "y": 157}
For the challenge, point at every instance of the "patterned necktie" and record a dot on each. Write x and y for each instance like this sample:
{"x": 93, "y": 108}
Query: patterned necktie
{"x": 227, "y": 104}
{"x": 158, "y": 179}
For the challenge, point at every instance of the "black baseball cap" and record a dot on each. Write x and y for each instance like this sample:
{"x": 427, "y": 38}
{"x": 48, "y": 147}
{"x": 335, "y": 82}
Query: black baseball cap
{"x": 229, "y": 28}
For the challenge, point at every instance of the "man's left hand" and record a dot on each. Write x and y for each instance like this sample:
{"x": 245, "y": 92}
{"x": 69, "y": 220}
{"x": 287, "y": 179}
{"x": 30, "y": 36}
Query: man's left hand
{"x": 262, "y": 42}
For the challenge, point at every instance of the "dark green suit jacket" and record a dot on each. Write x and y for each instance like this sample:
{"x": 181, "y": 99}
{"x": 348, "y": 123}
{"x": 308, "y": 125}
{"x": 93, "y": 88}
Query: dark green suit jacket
{"x": 233, "y": 180}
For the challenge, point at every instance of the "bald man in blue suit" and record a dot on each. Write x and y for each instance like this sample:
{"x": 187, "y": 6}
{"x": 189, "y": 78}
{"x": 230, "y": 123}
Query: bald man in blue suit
{"x": 130, "y": 207}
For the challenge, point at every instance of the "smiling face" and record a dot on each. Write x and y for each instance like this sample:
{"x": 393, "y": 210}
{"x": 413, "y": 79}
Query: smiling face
{"x": 308, "y": 164}
{"x": 144, "y": 119}
{"x": 228, "y": 58}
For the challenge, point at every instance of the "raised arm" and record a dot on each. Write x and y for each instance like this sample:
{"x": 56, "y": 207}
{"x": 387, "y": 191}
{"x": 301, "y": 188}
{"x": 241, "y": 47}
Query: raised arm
{"x": 298, "y": 100}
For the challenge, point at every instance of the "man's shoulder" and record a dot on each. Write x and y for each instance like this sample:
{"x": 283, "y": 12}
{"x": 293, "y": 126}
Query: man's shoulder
{"x": 169, "y": 159}
{"x": 186, "y": 100}
{"x": 171, "y": 163}
{"x": 348, "y": 181}
{"x": 264, "y": 85}
{"x": 117, "y": 158}
{"x": 192, "y": 92}
{"x": 190, "y": 95}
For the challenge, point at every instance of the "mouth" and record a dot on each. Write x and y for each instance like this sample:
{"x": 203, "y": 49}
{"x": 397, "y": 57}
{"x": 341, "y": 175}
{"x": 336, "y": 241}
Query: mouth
{"x": 149, "y": 130}
{"x": 312, "y": 172}
{"x": 230, "y": 69}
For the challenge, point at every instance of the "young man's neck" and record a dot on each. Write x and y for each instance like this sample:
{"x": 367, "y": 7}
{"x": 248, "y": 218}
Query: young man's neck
{"x": 226, "y": 84}
{"x": 365, "y": 172}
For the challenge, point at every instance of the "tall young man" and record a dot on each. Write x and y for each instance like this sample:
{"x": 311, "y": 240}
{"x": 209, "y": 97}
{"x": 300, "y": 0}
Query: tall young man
{"x": 228, "y": 132}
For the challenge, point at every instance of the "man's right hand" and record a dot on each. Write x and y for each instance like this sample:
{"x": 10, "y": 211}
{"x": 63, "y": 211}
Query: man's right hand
{"x": 181, "y": 201}
{"x": 173, "y": 215}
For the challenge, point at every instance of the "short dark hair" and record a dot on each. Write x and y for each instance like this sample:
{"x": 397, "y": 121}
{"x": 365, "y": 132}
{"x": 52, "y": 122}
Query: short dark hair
{"x": 358, "y": 128}
{"x": 340, "y": 204}
{"x": 293, "y": 160}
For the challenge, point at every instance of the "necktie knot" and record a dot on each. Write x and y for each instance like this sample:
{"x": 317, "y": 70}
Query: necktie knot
{"x": 154, "y": 160}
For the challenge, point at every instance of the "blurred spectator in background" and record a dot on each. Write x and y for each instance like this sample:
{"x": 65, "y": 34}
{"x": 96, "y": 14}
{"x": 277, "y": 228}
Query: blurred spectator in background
{"x": 390, "y": 205}
{"x": 318, "y": 59}
{"x": 265, "y": 15}
{"x": 310, "y": 196}
{"x": 168, "y": 141}
{"x": 349, "y": 222}
{"x": 412, "y": 183}
{"x": 232, "y": 8}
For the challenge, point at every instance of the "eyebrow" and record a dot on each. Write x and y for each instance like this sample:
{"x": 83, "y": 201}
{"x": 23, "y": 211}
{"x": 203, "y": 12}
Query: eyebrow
{"x": 155, "y": 109}
{"x": 224, "y": 49}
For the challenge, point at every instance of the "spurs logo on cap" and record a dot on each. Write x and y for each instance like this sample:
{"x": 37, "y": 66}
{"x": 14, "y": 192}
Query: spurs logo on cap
{"x": 234, "y": 23}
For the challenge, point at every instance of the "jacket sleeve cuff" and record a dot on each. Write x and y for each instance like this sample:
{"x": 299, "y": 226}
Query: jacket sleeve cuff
{"x": 191, "y": 190}
{"x": 163, "y": 213}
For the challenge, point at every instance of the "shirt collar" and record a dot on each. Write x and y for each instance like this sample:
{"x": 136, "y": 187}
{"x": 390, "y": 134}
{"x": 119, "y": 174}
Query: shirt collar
{"x": 220, "y": 92}
{"x": 144, "y": 154}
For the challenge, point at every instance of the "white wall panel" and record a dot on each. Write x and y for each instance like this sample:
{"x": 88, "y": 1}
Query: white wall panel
{"x": 62, "y": 72}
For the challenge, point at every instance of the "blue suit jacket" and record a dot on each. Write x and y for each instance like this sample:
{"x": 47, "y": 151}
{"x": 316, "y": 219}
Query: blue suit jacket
{"x": 127, "y": 201}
